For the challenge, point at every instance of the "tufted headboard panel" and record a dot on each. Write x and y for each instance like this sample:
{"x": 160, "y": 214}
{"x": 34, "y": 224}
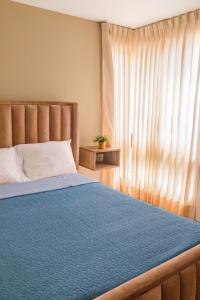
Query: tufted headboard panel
{"x": 37, "y": 122}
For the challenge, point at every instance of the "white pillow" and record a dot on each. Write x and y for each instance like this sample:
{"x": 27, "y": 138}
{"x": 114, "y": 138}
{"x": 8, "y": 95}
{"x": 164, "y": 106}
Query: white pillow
{"x": 49, "y": 159}
{"x": 9, "y": 167}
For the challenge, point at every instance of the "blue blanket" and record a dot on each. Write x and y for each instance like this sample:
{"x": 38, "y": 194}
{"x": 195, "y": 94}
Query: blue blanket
{"x": 80, "y": 242}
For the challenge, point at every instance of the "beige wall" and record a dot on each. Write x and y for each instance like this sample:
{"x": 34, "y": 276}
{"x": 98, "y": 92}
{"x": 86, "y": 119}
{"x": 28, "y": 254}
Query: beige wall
{"x": 51, "y": 56}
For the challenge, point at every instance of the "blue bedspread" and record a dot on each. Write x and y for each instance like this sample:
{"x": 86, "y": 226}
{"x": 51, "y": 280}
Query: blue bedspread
{"x": 80, "y": 242}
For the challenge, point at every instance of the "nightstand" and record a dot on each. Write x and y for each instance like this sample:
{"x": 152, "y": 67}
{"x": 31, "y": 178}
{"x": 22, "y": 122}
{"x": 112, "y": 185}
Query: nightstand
{"x": 95, "y": 159}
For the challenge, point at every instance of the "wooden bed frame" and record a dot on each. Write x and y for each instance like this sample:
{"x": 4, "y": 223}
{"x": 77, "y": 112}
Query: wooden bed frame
{"x": 37, "y": 122}
{"x": 33, "y": 122}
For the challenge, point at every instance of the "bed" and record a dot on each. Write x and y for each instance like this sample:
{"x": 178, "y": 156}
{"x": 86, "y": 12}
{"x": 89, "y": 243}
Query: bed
{"x": 69, "y": 237}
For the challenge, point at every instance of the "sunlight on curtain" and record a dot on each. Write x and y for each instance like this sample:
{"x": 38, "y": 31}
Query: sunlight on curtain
{"x": 152, "y": 113}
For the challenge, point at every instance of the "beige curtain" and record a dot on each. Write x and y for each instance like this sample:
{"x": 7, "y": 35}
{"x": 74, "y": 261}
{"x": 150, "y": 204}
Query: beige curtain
{"x": 151, "y": 110}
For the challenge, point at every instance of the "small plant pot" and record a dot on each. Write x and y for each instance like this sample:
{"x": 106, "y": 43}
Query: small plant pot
{"x": 102, "y": 145}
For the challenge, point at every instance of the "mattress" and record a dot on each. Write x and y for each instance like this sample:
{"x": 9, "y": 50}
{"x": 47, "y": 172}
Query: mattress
{"x": 78, "y": 240}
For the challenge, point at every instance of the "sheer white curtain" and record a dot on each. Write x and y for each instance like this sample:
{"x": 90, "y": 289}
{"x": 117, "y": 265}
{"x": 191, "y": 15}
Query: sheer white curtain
{"x": 151, "y": 110}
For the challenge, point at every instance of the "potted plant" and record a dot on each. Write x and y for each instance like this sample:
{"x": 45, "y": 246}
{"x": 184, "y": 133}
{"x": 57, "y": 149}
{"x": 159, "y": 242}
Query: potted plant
{"x": 101, "y": 140}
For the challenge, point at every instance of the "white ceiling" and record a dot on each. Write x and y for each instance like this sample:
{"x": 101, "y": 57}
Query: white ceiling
{"x": 130, "y": 13}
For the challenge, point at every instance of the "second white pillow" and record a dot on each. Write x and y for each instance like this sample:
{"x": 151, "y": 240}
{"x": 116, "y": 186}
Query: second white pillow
{"x": 49, "y": 159}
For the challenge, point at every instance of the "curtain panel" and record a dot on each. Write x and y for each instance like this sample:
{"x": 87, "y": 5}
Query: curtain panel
{"x": 151, "y": 110}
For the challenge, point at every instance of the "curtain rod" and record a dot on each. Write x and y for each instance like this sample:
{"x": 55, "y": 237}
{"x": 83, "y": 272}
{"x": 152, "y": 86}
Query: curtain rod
{"x": 143, "y": 26}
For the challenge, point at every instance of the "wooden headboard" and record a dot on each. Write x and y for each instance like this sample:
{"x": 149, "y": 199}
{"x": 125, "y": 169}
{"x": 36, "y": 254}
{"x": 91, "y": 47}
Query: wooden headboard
{"x": 37, "y": 122}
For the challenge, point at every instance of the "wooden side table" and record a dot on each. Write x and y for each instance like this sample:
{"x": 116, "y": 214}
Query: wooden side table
{"x": 94, "y": 158}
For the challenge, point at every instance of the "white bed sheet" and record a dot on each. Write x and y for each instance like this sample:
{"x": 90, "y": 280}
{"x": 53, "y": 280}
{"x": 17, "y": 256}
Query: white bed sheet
{"x": 42, "y": 185}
